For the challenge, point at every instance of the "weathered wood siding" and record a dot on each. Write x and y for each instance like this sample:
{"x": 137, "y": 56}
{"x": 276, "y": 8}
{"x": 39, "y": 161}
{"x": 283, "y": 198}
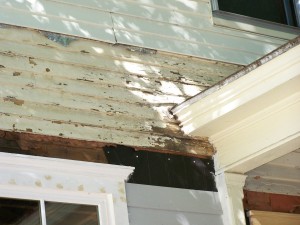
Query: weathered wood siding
{"x": 95, "y": 91}
{"x": 182, "y": 26}
{"x": 281, "y": 176}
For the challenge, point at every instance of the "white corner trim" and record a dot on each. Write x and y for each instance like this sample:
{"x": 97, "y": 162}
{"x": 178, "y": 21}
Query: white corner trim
{"x": 251, "y": 86}
{"x": 251, "y": 115}
{"x": 230, "y": 190}
{"x": 107, "y": 171}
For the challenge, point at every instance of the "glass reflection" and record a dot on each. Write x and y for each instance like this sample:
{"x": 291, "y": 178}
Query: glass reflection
{"x": 19, "y": 212}
{"x": 75, "y": 214}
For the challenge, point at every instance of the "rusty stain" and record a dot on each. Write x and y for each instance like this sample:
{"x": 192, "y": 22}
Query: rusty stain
{"x": 48, "y": 177}
{"x": 38, "y": 183}
{"x": 12, "y": 181}
{"x": 30, "y": 85}
{"x": 47, "y": 70}
{"x": 123, "y": 199}
{"x": 31, "y": 61}
{"x": 59, "y": 186}
{"x": 84, "y": 79}
{"x": 28, "y": 130}
{"x": 57, "y": 122}
{"x": 102, "y": 190}
{"x": 257, "y": 177}
{"x": 16, "y": 74}
{"x": 80, "y": 188}
{"x": 14, "y": 100}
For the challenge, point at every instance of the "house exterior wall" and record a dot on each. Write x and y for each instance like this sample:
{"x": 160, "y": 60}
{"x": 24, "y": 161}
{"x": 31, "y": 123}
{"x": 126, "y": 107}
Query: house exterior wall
{"x": 95, "y": 91}
{"x": 183, "y": 27}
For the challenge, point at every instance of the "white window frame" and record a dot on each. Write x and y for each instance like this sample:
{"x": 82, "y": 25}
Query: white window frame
{"x": 104, "y": 202}
{"x": 88, "y": 174}
{"x": 253, "y": 25}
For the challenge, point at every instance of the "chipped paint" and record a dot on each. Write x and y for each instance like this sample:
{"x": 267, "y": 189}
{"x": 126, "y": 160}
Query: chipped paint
{"x": 93, "y": 91}
{"x": 48, "y": 177}
{"x": 59, "y": 186}
{"x": 16, "y": 101}
{"x": 80, "y": 187}
{"x": 38, "y": 183}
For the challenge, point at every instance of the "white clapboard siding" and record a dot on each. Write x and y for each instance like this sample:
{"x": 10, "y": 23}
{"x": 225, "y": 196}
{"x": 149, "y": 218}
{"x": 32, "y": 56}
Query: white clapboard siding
{"x": 280, "y": 176}
{"x": 182, "y": 26}
{"x": 95, "y": 91}
{"x": 171, "y": 206}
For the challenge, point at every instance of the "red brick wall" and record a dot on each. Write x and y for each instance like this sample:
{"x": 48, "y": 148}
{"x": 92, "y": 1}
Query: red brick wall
{"x": 271, "y": 202}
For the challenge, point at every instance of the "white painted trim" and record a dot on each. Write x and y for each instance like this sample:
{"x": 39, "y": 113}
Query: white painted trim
{"x": 230, "y": 190}
{"x": 252, "y": 117}
{"x": 103, "y": 201}
{"x": 58, "y": 180}
{"x": 229, "y": 97}
{"x": 107, "y": 171}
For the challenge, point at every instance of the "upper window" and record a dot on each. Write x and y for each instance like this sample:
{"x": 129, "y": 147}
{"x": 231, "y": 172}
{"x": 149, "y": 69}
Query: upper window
{"x": 278, "y": 11}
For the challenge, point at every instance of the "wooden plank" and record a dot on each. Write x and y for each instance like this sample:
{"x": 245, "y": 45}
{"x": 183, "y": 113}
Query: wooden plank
{"x": 193, "y": 75}
{"x": 176, "y": 68}
{"x": 143, "y": 140}
{"x": 191, "y": 35}
{"x": 56, "y": 71}
{"x": 154, "y": 9}
{"x": 56, "y": 24}
{"x": 58, "y": 10}
{"x": 273, "y": 218}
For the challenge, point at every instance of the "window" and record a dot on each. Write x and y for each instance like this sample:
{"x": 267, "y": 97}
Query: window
{"x": 278, "y": 11}
{"x": 56, "y": 208}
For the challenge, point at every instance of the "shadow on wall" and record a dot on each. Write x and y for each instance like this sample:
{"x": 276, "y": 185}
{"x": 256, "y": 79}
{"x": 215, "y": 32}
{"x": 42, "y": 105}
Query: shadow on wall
{"x": 162, "y": 25}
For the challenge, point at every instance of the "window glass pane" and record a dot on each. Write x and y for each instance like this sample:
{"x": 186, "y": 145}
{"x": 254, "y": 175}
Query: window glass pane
{"x": 19, "y": 212}
{"x": 64, "y": 213}
{"x": 270, "y": 10}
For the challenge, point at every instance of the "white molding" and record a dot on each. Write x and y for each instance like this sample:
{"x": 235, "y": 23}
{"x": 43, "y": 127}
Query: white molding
{"x": 252, "y": 117}
{"x": 230, "y": 190}
{"x": 197, "y": 113}
{"x": 59, "y": 180}
{"x": 103, "y": 201}
{"x": 107, "y": 171}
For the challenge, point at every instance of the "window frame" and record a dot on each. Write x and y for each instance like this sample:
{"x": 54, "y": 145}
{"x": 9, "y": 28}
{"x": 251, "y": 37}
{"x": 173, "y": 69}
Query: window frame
{"x": 250, "y": 24}
{"x": 104, "y": 202}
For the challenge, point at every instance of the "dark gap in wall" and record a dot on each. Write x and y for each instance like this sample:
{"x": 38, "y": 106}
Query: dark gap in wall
{"x": 167, "y": 170}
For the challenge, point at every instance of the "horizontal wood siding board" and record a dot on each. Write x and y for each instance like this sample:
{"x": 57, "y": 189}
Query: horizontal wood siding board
{"x": 143, "y": 216}
{"x": 63, "y": 115}
{"x": 113, "y": 93}
{"x": 191, "y": 35}
{"x": 182, "y": 71}
{"x": 62, "y": 74}
{"x": 154, "y": 10}
{"x": 68, "y": 12}
{"x": 89, "y": 133}
{"x": 56, "y": 24}
{"x": 164, "y": 198}
{"x": 182, "y": 46}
